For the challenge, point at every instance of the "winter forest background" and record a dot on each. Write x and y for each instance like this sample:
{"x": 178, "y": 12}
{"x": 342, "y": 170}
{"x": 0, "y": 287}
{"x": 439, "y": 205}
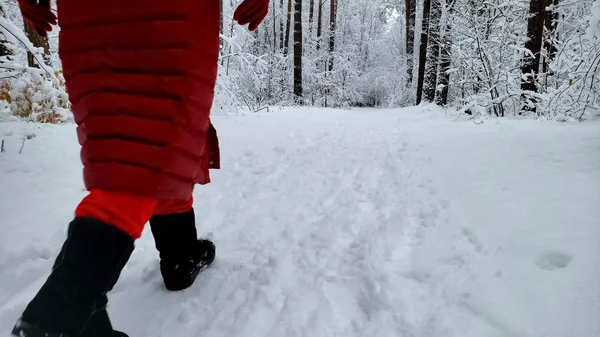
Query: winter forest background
{"x": 479, "y": 57}
{"x": 476, "y": 218}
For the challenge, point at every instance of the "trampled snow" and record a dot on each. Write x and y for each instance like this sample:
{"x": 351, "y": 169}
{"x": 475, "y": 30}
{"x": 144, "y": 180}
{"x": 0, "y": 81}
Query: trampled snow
{"x": 345, "y": 223}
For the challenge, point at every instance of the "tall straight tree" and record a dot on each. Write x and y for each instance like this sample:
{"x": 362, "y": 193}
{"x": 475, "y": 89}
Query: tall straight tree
{"x": 281, "y": 25}
{"x": 221, "y": 19}
{"x": 298, "y": 51}
{"x": 311, "y": 15}
{"x": 423, "y": 49}
{"x": 433, "y": 51}
{"x": 319, "y": 24}
{"x": 287, "y": 28}
{"x": 410, "y": 37}
{"x": 531, "y": 61}
{"x": 445, "y": 57}
{"x": 551, "y": 34}
{"x": 274, "y": 26}
{"x": 332, "y": 28}
{"x": 221, "y": 31}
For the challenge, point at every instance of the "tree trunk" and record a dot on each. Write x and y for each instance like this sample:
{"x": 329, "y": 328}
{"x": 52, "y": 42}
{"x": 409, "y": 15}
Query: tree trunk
{"x": 423, "y": 49}
{"x": 531, "y": 65}
{"x": 274, "y": 27}
{"x": 231, "y": 29}
{"x": 287, "y": 28}
{"x": 221, "y": 31}
{"x": 298, "y": 52}
{"x": 221, "y": 16}
{"x": 332, "y": 27}
{"x": 410, "y": 37}
{"x": 319, "y": 24}
{"x": 433, "y": 51}
{"x": 311, "y": 15}
{"x": 281, "y": 25}
{"x": 445, "y": 58}
{"x": 551, "y": 34}
{"x": 38, "y": 42}
{"x": 4, "y": 51}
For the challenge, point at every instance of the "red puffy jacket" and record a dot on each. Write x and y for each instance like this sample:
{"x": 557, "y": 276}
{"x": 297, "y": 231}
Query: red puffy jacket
{"x": 141, "y": 76}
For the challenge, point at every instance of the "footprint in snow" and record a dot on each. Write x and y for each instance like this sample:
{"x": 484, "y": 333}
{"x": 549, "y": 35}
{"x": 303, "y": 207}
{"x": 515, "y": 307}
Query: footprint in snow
{"x": 473, "y": 240}
{"x": 279, "y": 150}
{"x": 553, "y": 260}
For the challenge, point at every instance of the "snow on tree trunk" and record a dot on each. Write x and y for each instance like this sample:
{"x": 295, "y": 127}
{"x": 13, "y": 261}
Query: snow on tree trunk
{"x": 298, "y": 52}
{"x": 221, "y": 16}
{"x": 311, "y": 15}
{"x": 319, "y": 24}
{"x": 38, "y": 42}
{"x": 531, "y": 61}
{"x": 281, "y": 26}
{"x": 423, "y": 49}
{"x": 433, "y": 51}
{"x": 332, "y": 27}
{"x": 551, "y": 34}
{"x": 221, "y": 31}
{"x": 274, "y": 27}
{"x": 410, "y": 37}
{"x": 445, "y": 58}
{"x": 287, "y": 28}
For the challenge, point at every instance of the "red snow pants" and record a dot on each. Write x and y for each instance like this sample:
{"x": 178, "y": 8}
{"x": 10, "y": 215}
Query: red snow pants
{"x": 128, "y": 212}
{"x": 141, "y": 76}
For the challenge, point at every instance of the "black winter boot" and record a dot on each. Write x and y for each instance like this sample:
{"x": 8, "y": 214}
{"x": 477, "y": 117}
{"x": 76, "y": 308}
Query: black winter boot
{"x": 74, "y": 294}
{"x": 99, "y": 326}
{"x": 182, "y": 255}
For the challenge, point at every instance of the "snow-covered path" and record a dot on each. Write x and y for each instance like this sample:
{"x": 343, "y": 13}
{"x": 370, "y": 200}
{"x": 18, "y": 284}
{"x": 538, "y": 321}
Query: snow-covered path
{"x": 346, "y": 223}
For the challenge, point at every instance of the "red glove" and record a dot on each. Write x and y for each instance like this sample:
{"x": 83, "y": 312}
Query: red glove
{"x": 252, "y": 12}
{"x": 38, "y": 14}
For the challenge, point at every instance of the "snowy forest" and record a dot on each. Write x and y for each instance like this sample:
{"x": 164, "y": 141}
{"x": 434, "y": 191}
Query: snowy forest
{"x": 494, "y": 57}
{"x": 407, "y": 168}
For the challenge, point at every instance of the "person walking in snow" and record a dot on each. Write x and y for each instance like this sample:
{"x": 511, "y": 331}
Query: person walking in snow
{"x": 140, "y": 77}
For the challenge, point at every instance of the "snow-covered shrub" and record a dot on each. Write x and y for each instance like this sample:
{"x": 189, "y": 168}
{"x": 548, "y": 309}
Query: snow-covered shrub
{"x": 29, "y": 93}
{"x": 35, "y": 97}
{"x": 488, "y": 48}
{"x": 573, "y": 82}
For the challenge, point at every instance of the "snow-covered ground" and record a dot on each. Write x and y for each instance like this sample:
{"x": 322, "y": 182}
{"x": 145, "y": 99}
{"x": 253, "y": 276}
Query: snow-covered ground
{"x": 346, "y": 223}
